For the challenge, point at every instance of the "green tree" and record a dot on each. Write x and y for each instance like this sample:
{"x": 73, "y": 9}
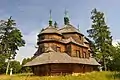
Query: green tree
{"x": 26, "y": 69}
{"x": 101, "y": 37}
{"x": 16, "y": 66}
{"x": 10, "y": 39}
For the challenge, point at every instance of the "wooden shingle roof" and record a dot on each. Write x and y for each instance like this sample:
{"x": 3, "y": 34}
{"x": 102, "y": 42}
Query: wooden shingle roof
{"x": 50, "y": 29}
{"x": 89, "y": 61}
{"x": 51, "y": 56}
{"x": 69, "y": 29}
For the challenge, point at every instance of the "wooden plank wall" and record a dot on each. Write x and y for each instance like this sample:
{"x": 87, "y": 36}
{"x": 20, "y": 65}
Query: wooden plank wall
{"x": 58, "y": 69}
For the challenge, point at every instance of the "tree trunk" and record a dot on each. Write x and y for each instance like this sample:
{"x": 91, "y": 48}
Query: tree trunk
{"x": 104, "y": 63}
{"x": 8, "y": 66}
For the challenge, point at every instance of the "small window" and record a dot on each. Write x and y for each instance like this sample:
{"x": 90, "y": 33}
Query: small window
{"x": 42, "y": 48}
{"x": 78, "y": 53}
{"x": 80, "y": 37}
{"x": 84, "y": 55}
{"x": 58, "y": 49}
{"x": 41, "y": 37}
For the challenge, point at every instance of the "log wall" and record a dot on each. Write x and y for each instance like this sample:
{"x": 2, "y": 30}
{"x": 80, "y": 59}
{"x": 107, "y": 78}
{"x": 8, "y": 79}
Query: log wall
{"x": 83, "y": 51}
{"x": 49, "y": 36}
{"x": 61, "y": 69}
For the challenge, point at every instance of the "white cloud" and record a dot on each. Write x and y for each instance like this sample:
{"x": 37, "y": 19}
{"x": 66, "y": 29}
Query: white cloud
{"x": 115, "y": 42}
{"x": 29, "y": 49}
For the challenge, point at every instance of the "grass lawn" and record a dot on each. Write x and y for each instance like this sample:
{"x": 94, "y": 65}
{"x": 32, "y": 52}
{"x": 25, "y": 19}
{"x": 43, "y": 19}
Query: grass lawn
{"x": 86, "y": 76}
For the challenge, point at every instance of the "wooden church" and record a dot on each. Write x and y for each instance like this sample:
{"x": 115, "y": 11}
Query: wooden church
{"x": 62, "y": 51}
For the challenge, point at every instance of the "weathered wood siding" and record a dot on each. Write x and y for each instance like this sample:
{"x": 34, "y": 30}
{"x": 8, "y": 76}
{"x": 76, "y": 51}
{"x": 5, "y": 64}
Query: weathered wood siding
{"x": 68, "y": 49}
{"x": 53, "y": 36}
{"x": 54, "y": 45}
{"x": 49, "y": 36}
{"x": 77, "y": 68}
{"x": 61, "y": 69}
{"x": 83, "y": 51}
{"x": 52, "y": 69}
{"x": 73, "y": 50}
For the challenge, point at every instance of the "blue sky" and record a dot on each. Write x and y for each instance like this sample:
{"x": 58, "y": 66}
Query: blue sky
{"x": 32, "y": 15}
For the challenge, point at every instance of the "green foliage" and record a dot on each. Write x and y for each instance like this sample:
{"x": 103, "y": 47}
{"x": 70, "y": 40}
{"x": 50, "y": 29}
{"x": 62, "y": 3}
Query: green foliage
{"x": 114, "y": 63}
{"x": 10, "y": 37}
{"x": 16, "y": 66}
{"x": 26, "y": 69}
{"x": 13, "y": 64}
{"x": 101, "y": 37}
{"x": 3, "y": 64}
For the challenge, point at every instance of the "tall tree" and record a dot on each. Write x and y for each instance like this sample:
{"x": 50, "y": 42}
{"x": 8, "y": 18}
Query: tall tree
{"x": 10, "y": 39}
{"x": 101, "y": 37}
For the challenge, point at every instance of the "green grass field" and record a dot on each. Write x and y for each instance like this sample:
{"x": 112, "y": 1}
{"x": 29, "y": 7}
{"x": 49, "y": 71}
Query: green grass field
{"x": 86, "y": 76}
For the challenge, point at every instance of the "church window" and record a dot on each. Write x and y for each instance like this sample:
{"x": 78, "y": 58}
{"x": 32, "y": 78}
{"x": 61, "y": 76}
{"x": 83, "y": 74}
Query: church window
{"x": 80, "y": 37}
{"x": 41, "y": 37}
{"x": 78, "y": 53}
{"x": 84, "y": 55}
